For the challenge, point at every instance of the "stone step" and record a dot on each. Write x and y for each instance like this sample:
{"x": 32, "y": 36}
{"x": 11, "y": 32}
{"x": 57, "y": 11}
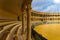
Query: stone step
{"x": 13, "y": 30}
{"x": 6, "y": 23}
{"x": 19, "y": 34}
{"x": 7, "y": 29}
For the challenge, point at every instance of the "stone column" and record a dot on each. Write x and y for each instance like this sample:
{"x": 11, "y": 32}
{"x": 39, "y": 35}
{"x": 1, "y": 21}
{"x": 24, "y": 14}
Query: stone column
{"x": 24, "y": 23}
{"x": 28, "y": 23}
{"x": 28, "y": 8}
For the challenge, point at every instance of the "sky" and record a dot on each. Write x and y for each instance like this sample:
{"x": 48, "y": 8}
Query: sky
{"x": 46, "y": 5}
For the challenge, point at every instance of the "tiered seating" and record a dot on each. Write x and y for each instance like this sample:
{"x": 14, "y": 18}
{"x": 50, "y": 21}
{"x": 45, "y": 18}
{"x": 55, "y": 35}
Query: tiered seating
{"x": 19, "y": 37}
{"x": 11, "y": 34}
{"x": 10, "y": 30}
